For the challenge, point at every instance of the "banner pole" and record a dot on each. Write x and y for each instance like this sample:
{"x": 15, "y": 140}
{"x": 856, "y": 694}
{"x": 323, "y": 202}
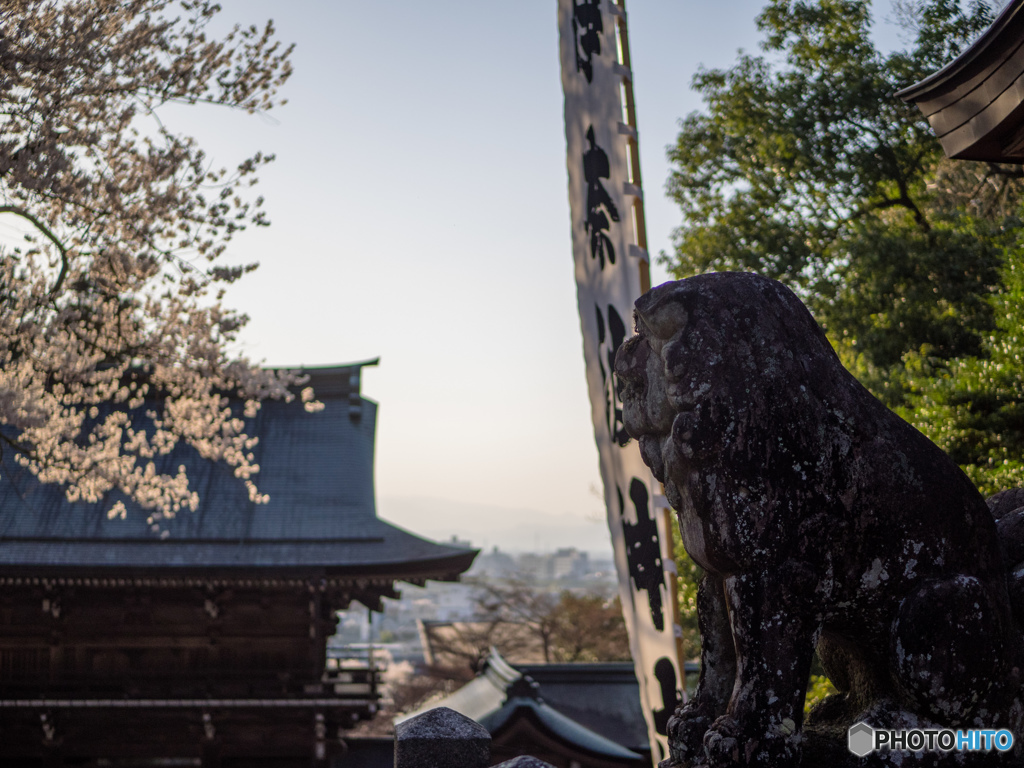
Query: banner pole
{"x": 633, "y": 142}
{"x": 643, "y": 264}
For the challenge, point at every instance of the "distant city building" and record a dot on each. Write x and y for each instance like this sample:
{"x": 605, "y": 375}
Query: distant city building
{"x": 569, "y": 564}
{"x": 534, "y": 566}
{"x": 564, "y": 564}
{"x": 495, "y": 564}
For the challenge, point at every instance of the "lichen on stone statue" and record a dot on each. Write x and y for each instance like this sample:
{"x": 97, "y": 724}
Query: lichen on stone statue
{"x": 823, "y": 522}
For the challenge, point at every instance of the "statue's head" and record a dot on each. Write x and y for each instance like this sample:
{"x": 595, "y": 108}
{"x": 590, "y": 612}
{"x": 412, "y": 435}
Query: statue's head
{"x": 719, "y": 361}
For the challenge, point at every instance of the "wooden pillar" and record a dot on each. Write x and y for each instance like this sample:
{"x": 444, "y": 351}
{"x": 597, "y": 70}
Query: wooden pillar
{"x": 210, "y": 749}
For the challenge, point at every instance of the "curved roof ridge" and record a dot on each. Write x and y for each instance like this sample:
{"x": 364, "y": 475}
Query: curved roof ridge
{"x": 560, "y": 726}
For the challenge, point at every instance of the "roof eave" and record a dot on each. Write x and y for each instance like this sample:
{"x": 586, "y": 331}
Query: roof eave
{"x": 974, "y": 103}
{"x": 920, "y": 90}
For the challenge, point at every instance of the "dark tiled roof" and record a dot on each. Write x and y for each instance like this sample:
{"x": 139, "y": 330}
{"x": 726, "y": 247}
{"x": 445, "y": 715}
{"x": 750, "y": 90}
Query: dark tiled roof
{"x": 559, "y": 726}
{"x": 603, "y": 697}
{"x": 595, "y": 707}
{"x": 317, "y": 469}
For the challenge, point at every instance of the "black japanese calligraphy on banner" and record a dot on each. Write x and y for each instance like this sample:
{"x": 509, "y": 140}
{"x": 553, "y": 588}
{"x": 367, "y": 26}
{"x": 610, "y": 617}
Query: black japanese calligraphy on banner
{"x": 608, "y": 281}
{"x": 595, "y": 168}
{"x": 610, "y": 336}
{"x": 665, "y": 674}
{"x": 587, "y": 27}
{"x": 643, "y": 550}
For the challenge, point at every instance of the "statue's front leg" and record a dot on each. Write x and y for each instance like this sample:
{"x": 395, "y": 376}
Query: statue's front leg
{"x": 686, "y": 728}
{"x": 774, "y": 642}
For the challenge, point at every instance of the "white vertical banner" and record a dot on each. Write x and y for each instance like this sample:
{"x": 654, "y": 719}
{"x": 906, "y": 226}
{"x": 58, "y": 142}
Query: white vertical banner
{"x": 607, "y": 260}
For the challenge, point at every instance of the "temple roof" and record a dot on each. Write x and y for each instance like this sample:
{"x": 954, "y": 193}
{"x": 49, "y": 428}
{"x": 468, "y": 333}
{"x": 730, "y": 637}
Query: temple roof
{"x": 317, "y": 469}
{"x": 601, "y": 696}
{"x": 974, "y": 103}
{"x": 557, "y": 726}
{"x": 591, "y": 707}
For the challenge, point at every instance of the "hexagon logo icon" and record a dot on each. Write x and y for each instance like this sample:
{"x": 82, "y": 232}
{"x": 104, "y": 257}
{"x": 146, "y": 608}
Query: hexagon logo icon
{"x": 860, "y": 739}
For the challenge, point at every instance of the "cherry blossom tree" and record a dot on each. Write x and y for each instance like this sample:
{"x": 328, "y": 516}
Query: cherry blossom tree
{"x": 113, "y": 295}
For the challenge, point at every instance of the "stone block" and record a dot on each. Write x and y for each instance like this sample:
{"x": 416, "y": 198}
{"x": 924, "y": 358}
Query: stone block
{"x": 442, "y": 738}
{"x": 524, "y": 761}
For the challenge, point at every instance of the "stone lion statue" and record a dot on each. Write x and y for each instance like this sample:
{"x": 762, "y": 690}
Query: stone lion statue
{"x": 823, "y": 522}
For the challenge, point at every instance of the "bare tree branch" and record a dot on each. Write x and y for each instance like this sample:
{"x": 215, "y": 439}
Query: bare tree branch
{"x": 19, "y": 211}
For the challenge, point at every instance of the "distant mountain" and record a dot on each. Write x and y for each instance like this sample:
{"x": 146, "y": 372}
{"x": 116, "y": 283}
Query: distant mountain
{"x": 487, "y": 526}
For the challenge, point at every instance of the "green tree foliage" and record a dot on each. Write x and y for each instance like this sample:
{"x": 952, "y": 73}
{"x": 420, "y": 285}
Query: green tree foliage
{"x": 974, "y": 406}
{"x": 805, "y": 167}
{"x": 688, "y": 575}
{"x": 818, "y": 689}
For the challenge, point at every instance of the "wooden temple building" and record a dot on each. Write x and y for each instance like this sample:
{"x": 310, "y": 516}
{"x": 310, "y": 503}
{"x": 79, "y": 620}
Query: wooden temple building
{"x": 203, "y": 643}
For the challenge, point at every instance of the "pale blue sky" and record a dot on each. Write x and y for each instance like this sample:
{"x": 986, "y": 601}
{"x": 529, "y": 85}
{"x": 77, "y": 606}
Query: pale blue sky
{"x": 420, "y": 215}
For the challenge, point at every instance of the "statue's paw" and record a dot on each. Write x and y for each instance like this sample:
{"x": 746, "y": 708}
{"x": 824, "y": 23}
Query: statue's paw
{"x": 686, "y": 730}
{"x": 728, "y": 743}
{"x": 722, "y": 743}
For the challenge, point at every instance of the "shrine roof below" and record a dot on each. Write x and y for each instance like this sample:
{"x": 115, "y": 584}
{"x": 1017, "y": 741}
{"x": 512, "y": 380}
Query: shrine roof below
{"x": 317, "y": 469}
